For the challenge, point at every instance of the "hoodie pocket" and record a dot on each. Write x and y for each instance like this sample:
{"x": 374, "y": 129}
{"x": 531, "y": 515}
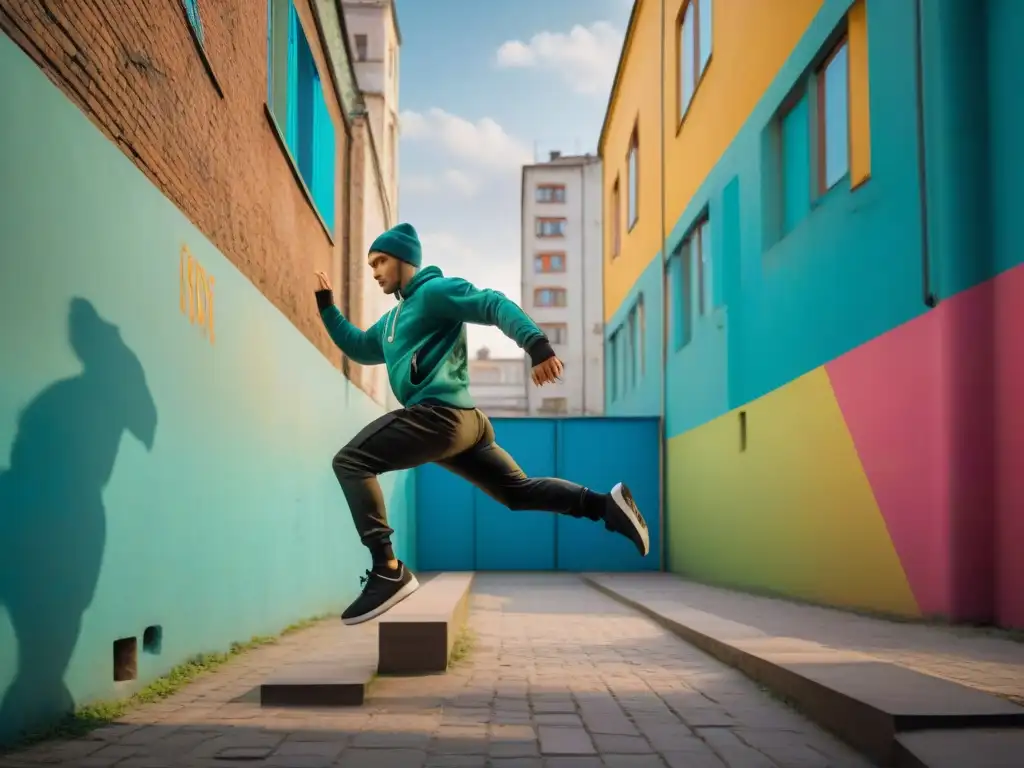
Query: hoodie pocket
{"x": 414, "y": 370}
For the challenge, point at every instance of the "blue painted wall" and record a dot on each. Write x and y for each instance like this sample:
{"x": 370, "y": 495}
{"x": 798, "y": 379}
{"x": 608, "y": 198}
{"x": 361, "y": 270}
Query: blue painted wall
{"x": 850, "y": 267}
{"x": 147, "y": 475}
{"x": 461, "y": 528}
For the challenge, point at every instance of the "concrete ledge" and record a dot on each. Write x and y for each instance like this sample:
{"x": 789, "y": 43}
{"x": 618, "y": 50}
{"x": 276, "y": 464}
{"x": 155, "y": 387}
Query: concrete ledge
{"x": 318, "y": 684}
{"x": 991, "y": 748}
{"x": 333, "y": 668}
{"x": 864, "y": 701}
{"x": 417, "y": 635}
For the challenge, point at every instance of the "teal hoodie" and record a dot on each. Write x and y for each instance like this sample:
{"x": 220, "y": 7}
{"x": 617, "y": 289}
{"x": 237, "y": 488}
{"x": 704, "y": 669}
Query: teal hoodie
{"x": 422, "y": 341}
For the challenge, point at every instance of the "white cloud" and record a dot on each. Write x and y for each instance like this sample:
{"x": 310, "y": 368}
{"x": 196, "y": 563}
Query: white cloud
{"x": 484, "y": 143}
{"x": 585, "y": 57}
{"x": 453, "y": 179}
{"x": 486, "y": 267}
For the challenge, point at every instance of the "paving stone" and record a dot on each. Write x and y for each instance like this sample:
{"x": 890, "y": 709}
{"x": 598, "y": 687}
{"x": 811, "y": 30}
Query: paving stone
{"x": 383, "y": 758}
{"x": 517, "y": 762}
{"x": 573, "y": 762}
{"x": 621, "y": 745}
{"x": 633, "y": 761}
{"x": 565, "y": 741}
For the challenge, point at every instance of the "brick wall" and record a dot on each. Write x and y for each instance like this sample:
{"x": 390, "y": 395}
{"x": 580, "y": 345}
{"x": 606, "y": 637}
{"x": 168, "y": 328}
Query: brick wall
{"x": 133, "y": 67}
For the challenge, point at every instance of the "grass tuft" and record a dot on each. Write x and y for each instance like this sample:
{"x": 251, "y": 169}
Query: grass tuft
{"x": 103, "y": 713}
{"x": 463, "y": 645}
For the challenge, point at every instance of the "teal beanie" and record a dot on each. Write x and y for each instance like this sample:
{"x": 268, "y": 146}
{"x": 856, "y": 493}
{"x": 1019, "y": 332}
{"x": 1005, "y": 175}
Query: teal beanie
{"x": 402, "y": 242}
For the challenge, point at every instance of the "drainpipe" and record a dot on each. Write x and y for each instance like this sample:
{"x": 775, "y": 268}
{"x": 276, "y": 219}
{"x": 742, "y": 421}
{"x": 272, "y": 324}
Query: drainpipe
{"x": 583, "y": 279}
{"x": 346, "y": 243}
{"x": 663, "y": 437}
{"x": 927, "y": 289}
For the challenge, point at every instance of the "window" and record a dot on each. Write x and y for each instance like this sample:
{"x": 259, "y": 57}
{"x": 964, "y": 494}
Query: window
{"x": 616, "y": 217}
{"x": 833, "y": 121}
{"x": 557, "y": 333}
{"x": 549, "y": 227}
{"x": 613, "y": 354}
{"x": 700, "y": 244}
{"x": 693, "y": 45}
{"x": 550, "y": 193}
{"x": 632, "y": 171}
{"x": 554, "y": 405}
{"x": 631, "y": 348}
{"x": 549, "y": 262}
{"x": 192, "y": 12}
{"x": 682, "y": 294}
{"x": 641, "y": 333}
{"x": 296, "y": 99}
{"x": 549, "y": 297}
{"x": 362, "y": 49}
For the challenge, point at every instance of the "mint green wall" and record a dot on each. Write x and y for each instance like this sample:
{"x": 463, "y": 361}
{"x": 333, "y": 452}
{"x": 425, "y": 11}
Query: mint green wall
{"x": 164, "y": 480}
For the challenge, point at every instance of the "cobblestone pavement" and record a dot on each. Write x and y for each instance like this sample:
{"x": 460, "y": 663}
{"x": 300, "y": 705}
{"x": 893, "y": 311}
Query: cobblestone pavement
{"x": 559, "y": 676}
{"x": 977, "y": 658}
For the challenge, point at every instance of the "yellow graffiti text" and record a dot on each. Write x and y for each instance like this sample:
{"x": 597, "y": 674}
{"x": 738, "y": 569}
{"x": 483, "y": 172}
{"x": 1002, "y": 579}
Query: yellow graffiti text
{"x": 196, "y": 293}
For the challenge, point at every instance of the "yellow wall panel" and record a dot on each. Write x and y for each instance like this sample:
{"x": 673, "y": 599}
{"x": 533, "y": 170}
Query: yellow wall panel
{"x": 636, "y": 101}
{"x": 793, "y": 513}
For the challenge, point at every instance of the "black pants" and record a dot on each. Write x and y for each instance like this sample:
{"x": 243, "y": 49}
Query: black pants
{"x": 461, "y": 441}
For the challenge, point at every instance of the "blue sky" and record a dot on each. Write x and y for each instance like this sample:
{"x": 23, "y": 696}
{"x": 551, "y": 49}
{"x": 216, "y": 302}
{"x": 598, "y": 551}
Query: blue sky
{"x": 484, "y": 87}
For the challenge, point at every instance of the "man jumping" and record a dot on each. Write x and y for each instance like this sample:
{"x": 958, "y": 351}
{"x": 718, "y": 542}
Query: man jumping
{"x": 422, "y": 341}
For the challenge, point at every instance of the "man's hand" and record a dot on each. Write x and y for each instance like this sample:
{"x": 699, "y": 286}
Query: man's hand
{"x": 547, "y": 372}
{"x": 325, "y": 284}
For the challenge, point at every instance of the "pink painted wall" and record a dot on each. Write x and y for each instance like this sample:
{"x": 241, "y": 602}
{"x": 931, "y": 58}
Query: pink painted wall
{"x": 894, "y": 410}
{"x": 1009, "y": 437}
{"x": 936, "y": 410}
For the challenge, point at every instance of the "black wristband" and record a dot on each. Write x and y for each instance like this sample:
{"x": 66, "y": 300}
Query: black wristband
{"x": 324, "y": 299}
{"x": 540, "y": 350}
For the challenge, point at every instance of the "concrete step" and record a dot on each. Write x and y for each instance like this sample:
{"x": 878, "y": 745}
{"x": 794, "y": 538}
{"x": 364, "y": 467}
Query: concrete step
{"x": 973, "y": 748}
{"x": 335, "y": 670}
{"x": 864, "y": 701}
{"x": 418, "y": 634}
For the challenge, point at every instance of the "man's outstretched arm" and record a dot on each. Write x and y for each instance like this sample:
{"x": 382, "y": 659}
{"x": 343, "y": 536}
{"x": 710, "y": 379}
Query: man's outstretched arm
{"x": 460, "y": 300}
{"x": 362, "y": 346}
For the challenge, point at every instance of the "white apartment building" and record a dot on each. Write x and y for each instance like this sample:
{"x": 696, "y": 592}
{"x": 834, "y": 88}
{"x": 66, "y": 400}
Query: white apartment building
{"x": 374, "y": 44}
{"x": 498, "y": 384}
{"x": 562, "y": 278}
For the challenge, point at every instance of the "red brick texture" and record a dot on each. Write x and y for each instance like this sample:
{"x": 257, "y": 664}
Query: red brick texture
{"x": 134, "y": 68}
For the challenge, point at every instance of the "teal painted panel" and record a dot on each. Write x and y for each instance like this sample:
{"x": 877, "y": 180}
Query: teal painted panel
{"x": 584, "y": 457}
{"x": 519, "y": 540}
{"x": 445, "y": 520}
{"x": 147, "y": 475}
{"x": 1006, "y": 120}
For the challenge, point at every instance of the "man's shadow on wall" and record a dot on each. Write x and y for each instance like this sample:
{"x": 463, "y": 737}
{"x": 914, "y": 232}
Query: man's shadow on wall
{"x": 52, "y": 519}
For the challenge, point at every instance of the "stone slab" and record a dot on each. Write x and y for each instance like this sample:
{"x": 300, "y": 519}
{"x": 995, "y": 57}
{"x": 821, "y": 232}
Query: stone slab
{"x": 333, "y": 669}
{"x": 862, "y": 700}
{"x": 976, "y": 748}
{"x": 318, "y": 684}
{"x": 418, "y": 634}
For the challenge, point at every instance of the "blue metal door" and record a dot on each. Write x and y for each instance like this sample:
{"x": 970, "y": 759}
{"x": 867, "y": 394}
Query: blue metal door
{"x": 597, "y": 453}
{"x": 445, "y": 521}
{"x": 518, "y": 540}
{"x": 461, "y": 528}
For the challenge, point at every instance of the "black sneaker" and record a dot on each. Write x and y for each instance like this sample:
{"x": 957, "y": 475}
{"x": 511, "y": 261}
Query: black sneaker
{"x": 383, "y": 588}
{"x": 622, "y": 516}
